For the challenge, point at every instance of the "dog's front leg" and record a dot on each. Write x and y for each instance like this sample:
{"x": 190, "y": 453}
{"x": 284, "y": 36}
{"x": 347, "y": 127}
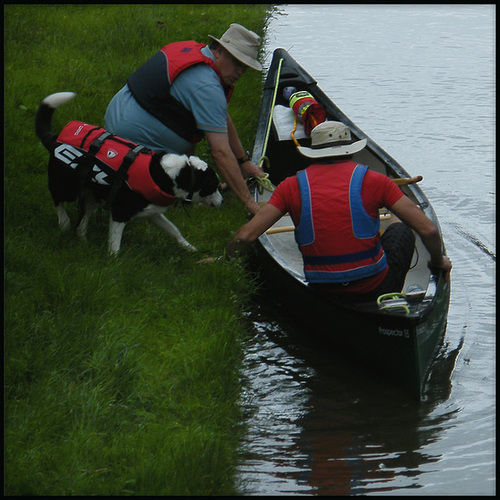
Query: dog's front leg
{"x": 163, "y": 223}
{"x": 115, "y": 235}
{"x": 62, "y": 217}
{"x": 88, "y": 204}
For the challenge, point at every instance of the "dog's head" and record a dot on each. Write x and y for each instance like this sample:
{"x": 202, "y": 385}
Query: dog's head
{"x": 193, "y": 179}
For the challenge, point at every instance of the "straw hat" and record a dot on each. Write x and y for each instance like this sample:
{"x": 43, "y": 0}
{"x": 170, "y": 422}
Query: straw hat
{"x": 242, "y": 44}
{"x": 331, "y": 139}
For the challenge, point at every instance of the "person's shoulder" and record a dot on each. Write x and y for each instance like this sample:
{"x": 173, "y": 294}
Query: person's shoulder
{"x": 199, "y": 73}
{"x": 378, "y": 176}
{"x": 287, "y": 184}
{"x": 379, "y": 184}
{"x": 200, "y": 82}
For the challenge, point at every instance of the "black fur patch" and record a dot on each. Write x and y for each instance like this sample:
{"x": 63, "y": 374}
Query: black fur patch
{"x": 208, "y": 182}
{"x": 162, "y": 180}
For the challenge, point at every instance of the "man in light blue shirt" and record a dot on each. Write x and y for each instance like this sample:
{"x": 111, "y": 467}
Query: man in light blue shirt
{"x": 186, "y": 86}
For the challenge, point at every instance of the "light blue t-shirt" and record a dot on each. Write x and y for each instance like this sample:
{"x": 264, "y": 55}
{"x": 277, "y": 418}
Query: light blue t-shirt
{"x": 198, "y": 88}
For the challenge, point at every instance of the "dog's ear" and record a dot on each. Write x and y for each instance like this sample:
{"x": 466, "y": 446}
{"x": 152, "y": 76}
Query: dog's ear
{"x": 197, "y": 163}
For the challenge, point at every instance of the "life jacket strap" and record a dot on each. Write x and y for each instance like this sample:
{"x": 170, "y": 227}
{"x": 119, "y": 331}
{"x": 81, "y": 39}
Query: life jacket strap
{"x": 326, "y": 260}
{"x": 87, "y": 161}
{"x": 122, "y": 173}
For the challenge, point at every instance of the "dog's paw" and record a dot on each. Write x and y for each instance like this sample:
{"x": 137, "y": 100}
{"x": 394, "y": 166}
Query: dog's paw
{"x": 64, "y": 223}
{"x": 82, "y": 233}
{"x": 185, "y": 244}
{"x": 209, "y": 260}
{"x": 65, "y": 226}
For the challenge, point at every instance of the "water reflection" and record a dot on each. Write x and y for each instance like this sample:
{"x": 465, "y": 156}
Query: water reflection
{"x": 321, "y": 425}
{"x": 276, "y": 399}
{"x": 420, "y": 80}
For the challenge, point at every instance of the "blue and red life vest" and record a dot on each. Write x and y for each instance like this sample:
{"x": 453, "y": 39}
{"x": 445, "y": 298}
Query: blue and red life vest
{"x": 107, "y": 159}
{"x": 150, "y": 85}
{"x": 359, "y": 254}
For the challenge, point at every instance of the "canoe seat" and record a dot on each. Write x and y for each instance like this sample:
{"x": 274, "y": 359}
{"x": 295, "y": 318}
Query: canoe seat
{"x": 283, "y": 119}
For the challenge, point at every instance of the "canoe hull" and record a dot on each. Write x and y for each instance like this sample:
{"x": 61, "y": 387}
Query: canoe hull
{"x": 398, "y": 347}
{"x": 401, "y": 346}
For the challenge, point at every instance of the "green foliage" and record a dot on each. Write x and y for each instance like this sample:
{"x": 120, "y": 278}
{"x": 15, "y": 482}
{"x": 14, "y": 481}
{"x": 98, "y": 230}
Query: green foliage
{"x": 121, "y": 374}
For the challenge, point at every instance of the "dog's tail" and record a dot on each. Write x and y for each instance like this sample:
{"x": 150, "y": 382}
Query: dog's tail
{"x": 43, "y": 119}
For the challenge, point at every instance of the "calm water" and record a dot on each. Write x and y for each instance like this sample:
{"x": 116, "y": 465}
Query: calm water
{"x": 420, "y": 81}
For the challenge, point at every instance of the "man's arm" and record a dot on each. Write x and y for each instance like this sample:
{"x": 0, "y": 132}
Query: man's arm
{"x": 228, "y": 167}
{"x": 413, "y": 217}
{"x": 248, "y": 169}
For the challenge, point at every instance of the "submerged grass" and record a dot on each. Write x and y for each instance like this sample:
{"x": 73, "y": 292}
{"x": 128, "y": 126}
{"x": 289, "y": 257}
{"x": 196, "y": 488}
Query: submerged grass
{"x": 121, "y": 374}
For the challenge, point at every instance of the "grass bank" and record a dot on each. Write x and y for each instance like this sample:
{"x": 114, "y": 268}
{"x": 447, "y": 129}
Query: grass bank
{"x": 121, "y": 375}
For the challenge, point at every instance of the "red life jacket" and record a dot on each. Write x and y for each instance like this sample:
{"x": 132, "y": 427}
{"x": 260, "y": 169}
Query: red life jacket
{"x": 359, "y": 253}
{"x": 108, "y": 153}
{"x": 150, "y": 85}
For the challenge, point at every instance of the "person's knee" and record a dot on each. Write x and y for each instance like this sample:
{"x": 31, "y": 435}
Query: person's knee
{"x": 398, "y": 242}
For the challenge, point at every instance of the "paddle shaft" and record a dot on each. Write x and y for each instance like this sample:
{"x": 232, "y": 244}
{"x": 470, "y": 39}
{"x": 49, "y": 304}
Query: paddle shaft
{"x": 282, "y": 229}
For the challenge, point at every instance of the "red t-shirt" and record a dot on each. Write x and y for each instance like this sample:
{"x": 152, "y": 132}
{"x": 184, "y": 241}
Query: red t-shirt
{"x": 377, "y": 191}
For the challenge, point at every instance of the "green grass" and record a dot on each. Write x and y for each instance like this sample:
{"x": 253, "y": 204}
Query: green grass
{"x": 121, "y": 374}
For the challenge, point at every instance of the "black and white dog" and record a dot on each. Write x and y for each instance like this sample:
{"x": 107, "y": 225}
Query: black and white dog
{"x": 150, "y": 182}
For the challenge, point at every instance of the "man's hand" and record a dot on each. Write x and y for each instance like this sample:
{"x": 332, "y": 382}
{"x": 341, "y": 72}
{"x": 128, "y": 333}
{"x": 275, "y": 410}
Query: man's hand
{"x": 240, "y": 243}
{"x": 445, "y": 266}
{"x": 237, "y": 248}
{"x": 249, "y": 169}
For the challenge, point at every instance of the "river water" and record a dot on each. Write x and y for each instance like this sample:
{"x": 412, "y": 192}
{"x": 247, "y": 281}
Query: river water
{"x": 420, "y": 81}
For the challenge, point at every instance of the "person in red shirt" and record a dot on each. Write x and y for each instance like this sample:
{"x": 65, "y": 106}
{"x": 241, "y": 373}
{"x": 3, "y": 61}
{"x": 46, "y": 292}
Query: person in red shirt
{"x": 334, "y": 204}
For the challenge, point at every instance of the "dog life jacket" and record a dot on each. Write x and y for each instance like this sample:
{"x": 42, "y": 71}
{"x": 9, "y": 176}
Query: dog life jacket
{"x": 150, "y": 85}
{"x": 109, "y": 160}
{"x": 352, "y": 264}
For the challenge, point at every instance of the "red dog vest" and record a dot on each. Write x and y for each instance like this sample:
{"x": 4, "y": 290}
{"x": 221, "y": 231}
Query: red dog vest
{"x": 113, "y": 154}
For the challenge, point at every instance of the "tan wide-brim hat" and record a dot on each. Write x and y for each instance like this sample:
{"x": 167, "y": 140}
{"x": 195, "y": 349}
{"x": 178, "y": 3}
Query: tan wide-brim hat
{"x": 331, "y": 138}
{"x": 242, "y": 44}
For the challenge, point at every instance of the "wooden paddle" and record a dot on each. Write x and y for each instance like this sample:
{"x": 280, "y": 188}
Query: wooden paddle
{"x": 282, "y": 229}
